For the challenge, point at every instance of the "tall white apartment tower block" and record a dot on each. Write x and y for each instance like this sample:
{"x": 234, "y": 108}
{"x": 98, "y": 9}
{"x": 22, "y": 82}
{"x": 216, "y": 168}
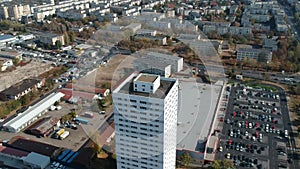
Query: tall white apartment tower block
{"x": 145, "y": 114}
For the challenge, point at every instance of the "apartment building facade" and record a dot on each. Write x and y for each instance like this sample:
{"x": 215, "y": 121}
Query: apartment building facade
{"x": 145, "y": 108}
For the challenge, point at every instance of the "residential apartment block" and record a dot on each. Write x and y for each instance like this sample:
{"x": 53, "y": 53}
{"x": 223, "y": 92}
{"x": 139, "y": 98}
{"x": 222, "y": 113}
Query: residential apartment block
{"x": 145, "y": 108}
{"x": 261, "y": 55}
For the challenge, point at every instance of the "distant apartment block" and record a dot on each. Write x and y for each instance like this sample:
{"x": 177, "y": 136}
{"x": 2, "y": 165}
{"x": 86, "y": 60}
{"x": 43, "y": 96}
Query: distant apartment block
{"x": 270, "y": 44}
{"x": 14, "y": 12}
{"x": 260, "y": 55}
{"x": 221, "y": 30}
{"x": 146, "y": 109}
{"x": 240, "y": 30}
{"x": 72, "y": 14}
{"x": 157, "y": 63}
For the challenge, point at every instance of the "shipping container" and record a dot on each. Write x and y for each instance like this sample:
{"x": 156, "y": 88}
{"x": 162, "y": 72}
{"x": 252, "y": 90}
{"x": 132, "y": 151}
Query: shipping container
{"x": 82, "y": 120}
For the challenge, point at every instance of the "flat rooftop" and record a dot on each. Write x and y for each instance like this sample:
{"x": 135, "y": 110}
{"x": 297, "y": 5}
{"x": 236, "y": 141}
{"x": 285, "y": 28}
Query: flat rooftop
{"x": 21, "y": 87}
{"x": 126, "y": 87}
{"x": 197, "y": 104}
{"x": 28, "y": 145}
{"x": 146, "y": 78}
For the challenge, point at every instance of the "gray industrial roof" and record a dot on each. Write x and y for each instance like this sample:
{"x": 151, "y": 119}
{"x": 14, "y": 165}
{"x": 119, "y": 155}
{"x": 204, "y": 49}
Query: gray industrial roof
{"x": 197, "y": 104}
{"x": 37, "y": 159}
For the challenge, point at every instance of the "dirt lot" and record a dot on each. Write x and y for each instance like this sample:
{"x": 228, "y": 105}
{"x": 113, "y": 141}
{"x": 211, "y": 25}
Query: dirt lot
{"x": 32, "y": 69}
{"x": 112, "y": 72}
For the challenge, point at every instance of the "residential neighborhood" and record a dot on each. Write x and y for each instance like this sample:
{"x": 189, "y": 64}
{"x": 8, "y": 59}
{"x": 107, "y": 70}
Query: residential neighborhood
{"x": 149, "y": 84}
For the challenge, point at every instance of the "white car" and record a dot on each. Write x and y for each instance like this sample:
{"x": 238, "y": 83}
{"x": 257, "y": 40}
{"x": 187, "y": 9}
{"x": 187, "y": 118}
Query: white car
{"x": 286, "y": 134}
{"x": 246, "y": 133}
{"x": 221, "y": 149}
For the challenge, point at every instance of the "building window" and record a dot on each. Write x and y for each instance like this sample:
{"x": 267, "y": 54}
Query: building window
{"x": 143, "y": 102}
{"x": 134, "y": 106}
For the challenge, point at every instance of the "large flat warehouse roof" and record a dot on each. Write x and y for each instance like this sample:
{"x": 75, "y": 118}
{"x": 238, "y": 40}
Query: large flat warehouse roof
{"x": 197, "y": 104}
{"x": 22, "y": 119}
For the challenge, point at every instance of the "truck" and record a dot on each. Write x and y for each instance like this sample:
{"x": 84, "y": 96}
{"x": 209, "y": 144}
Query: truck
{"x": 64, "y": 135}
{"x": 60, "y": 132}
{"x": 89, "y": 114}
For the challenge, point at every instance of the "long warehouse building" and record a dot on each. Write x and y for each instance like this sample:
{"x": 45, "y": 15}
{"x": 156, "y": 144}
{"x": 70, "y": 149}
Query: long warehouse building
{"x": 31, "y": 114}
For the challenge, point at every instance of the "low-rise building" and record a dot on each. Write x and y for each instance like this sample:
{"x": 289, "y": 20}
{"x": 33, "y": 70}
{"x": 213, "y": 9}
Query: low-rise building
{"x": 162, "y": 40}
{"x": 49, "y": 38}
{"x": 10, "y": 54}
{"x": 6, "y": 39}
{"x": 148, "y": 32}
{"x": 20, "y": 89}
{"x": 233, "y": 9}
{"x": 5, "y": 63}
{"x": 44, "y": 126}
{"x": 11, "y": 157}
{"x": 28, "y": 145}
{"x": 134, "y": 27}
{"x": 31, "y": 114}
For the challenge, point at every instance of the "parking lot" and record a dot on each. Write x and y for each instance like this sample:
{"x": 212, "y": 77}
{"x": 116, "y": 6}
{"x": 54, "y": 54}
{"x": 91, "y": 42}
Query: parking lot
{"x": 255, "y": 132}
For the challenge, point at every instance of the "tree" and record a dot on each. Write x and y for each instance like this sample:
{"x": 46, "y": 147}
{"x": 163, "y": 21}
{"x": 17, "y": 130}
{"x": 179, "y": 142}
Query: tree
{"x": 72, "y": 36}
{"x": 56, "y": 103}
{"x": 216, "y": 164}
{"x": 25, "y": 99}
{"x": 222, "y": 164}
{"x": 73, "y": 113}
{"x": 58, "y": 44}
{"x": 16, "y": 61}
{"x": 186, "y": 159}
{"x": 66, "y": 38}
{"x": 262, "y": 57}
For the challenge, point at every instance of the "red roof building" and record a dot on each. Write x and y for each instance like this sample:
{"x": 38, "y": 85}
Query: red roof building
{"x": 12, "y": 151}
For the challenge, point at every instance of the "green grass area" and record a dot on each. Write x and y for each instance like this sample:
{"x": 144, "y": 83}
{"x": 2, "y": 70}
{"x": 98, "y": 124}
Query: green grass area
{"x": 261, "y": 86}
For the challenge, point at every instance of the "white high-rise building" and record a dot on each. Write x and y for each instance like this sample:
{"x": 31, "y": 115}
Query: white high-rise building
{"x": 145, "y": 113}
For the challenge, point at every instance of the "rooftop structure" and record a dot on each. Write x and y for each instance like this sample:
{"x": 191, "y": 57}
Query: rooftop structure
{"x": 146, "y": 78}
{"x": 127, "y": 87}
